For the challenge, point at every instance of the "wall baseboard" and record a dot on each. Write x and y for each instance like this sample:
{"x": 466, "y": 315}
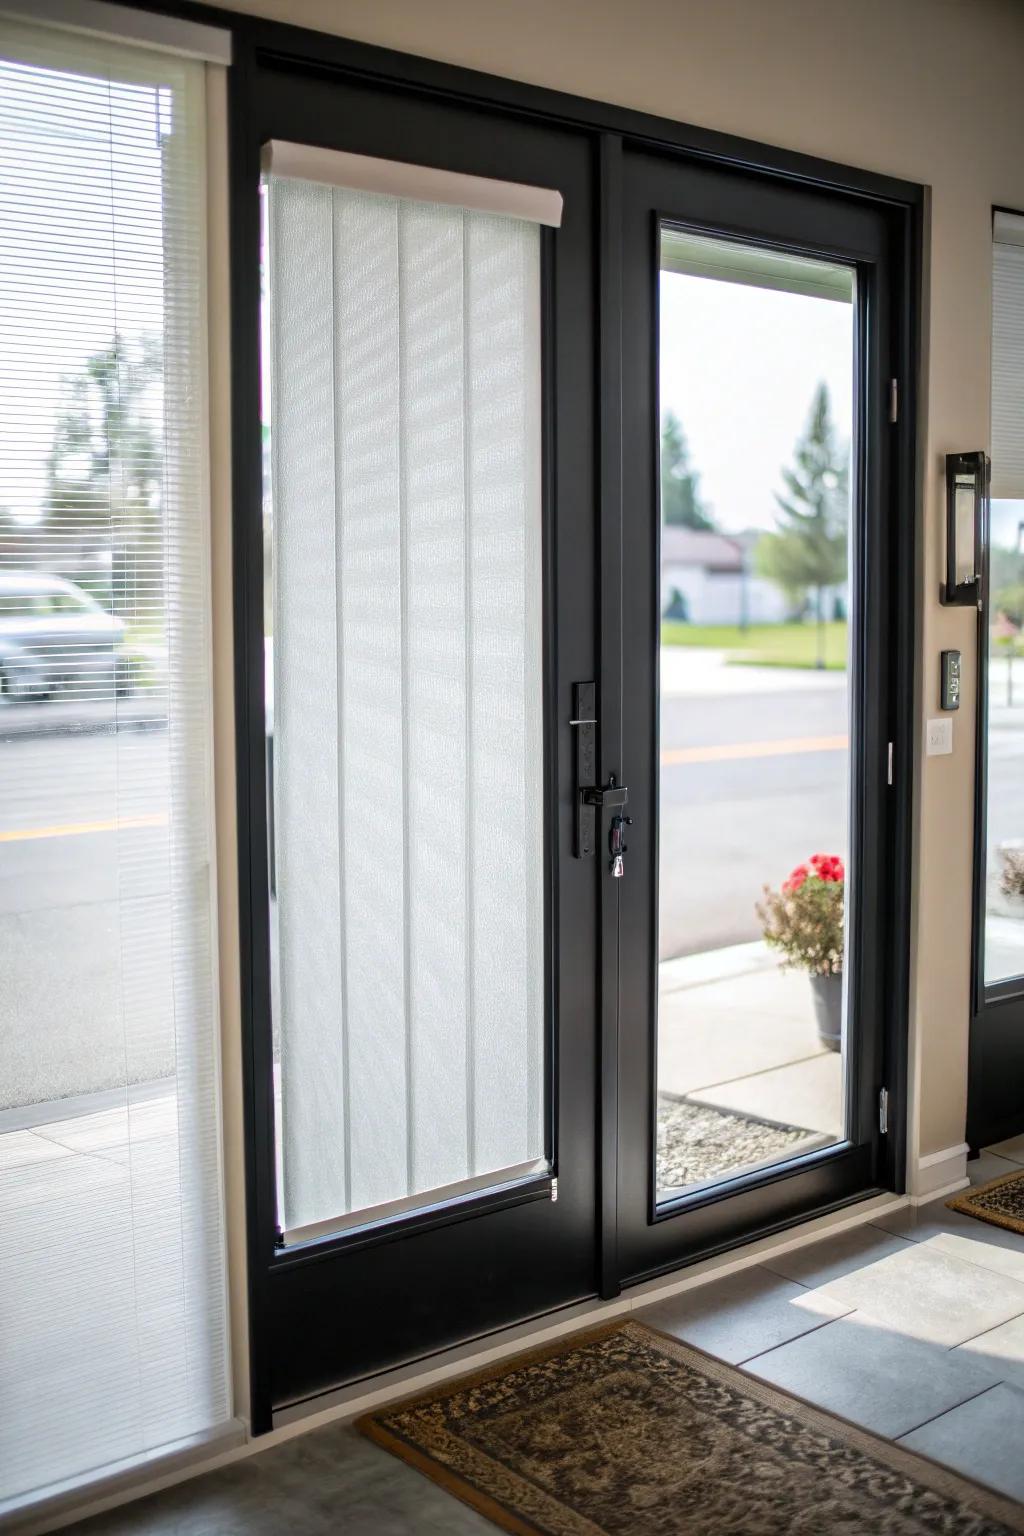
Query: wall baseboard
{"x": 124, "y": 1482}
{"x": 937, "y": 1174}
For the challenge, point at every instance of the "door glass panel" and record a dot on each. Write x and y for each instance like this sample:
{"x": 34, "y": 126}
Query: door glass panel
{"x": 1004, "y": 886}
{"x": 756, "y": 400}
{"x": 402, "y": 388}
{"x": 1004, "y": 850}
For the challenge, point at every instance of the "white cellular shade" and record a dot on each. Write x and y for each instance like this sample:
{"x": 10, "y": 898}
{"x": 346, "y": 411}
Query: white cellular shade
{"x": 405, "y": 451}
{"x": 112, "y": 1277}
{"x": 1008, "y": 358}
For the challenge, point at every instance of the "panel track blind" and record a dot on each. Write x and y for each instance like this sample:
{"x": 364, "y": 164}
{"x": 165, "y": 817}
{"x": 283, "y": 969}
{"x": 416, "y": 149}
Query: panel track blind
{"x": 112, "y": 1274}
{"x": 1008, "y": 358}
{"x": 405, "y": 375}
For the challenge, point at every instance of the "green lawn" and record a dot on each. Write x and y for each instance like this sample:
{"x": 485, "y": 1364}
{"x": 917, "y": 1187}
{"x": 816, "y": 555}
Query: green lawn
{"x": 764, "y": 645}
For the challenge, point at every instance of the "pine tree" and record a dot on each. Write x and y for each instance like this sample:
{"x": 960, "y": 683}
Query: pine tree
{"x": 808, "y": 549}
{"x": 681, "y": 506}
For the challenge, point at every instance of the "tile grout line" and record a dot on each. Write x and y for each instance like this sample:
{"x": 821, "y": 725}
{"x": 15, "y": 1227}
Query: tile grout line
{"x": 765, "y": 1264}
{"x": 953, "y": 1409}
{"x": 1006, "y": 1320}
{"x": 826, "y": 1322}
{"x": 986, "y": 1268}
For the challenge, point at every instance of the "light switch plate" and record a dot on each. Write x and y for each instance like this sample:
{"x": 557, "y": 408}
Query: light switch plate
{"x": 939, "y": 737}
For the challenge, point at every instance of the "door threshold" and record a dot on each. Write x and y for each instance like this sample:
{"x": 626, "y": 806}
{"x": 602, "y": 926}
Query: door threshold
{"x": 372, "y": 1392}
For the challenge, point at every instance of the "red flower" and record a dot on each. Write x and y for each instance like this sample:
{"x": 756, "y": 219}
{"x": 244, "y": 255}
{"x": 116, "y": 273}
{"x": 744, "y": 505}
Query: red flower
{"x": 796, "y": 879}
{"x": 828, "y": 866}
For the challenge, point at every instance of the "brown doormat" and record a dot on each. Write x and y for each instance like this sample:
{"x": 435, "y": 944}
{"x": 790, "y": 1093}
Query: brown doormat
{"x": 1000, "y": 1201}
{"x": 625, "y": 1432}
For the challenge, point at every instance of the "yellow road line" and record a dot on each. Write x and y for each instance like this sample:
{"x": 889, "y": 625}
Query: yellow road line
{"x": 732, "y": 751}
{"x": 727, "y": 752}
{"x": 82, "y": 828}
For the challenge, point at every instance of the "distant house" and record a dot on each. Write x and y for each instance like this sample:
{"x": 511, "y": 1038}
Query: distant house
{"x": 706, "y": 578}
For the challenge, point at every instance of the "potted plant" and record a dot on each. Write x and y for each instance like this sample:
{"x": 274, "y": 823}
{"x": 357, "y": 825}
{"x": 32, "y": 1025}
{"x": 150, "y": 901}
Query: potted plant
{"x": 804, "y": 920}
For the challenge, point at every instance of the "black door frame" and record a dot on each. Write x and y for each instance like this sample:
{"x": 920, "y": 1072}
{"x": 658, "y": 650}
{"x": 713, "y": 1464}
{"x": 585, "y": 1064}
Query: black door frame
{"x": 995, "y": 1109}
{"x": 609, "y": 127}
{"x": 820, "y": 223}
{"x": 421, "y": 1282}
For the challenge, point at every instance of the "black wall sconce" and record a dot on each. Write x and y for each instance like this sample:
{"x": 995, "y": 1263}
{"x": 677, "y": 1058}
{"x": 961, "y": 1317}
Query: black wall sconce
{"x": 967, "y": 483}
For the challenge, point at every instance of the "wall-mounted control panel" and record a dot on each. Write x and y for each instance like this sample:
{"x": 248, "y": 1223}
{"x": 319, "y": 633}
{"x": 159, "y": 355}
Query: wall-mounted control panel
{"x": 938, "y": 741}
{"x": 949, "y": 696}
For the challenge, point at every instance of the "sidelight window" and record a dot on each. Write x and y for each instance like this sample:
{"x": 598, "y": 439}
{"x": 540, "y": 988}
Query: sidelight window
{"x": 113, "y": 1339}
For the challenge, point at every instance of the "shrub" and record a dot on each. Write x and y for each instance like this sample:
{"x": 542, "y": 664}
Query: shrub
{"x": 1012, "y": 880}
{"x": 804, "y": 920}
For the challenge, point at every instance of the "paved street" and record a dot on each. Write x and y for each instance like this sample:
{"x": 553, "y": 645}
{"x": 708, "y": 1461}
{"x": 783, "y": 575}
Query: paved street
{"x": 753, "y": 780}
{"x": 770, "y": 789}
{"x": 77, "y": 893}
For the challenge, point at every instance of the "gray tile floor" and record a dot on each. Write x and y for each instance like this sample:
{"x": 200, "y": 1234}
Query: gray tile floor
{"x": 913, "y": 1327}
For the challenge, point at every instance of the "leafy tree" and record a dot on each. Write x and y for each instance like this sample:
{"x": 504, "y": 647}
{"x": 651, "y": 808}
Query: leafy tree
{"x": 1006, "y": 577}
{"x": 808, "y": 550}
{"x": 681, "y": 505}
{"x": 105, "y": 469}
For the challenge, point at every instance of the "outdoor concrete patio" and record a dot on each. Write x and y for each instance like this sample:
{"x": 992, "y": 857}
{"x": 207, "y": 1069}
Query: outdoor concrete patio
{"x": 736, "y": 1033}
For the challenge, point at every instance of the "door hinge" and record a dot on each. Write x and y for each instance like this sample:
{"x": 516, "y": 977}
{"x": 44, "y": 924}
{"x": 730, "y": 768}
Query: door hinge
{"x": 554, "y": 1190}
{"x": 888, "y": 770}
{"x": 894, "y": 400}
{"x": 883, "y": 1111}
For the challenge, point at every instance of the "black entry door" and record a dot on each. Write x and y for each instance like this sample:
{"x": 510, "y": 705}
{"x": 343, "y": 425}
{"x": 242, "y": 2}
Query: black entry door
{"x": 766, "y": 754}
{"x": 421, "y": 1172}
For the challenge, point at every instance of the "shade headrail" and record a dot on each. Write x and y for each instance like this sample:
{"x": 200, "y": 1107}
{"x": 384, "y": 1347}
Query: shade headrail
{"x": 421, "y": 183}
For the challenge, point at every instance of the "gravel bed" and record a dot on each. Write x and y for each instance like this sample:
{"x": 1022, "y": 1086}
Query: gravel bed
{"x": 697, "y": 1143}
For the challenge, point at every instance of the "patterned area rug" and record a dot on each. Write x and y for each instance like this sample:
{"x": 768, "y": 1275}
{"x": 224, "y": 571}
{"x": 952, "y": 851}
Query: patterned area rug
{"x": 1001, "y": 1202}
{"x": 625, "y": 1432}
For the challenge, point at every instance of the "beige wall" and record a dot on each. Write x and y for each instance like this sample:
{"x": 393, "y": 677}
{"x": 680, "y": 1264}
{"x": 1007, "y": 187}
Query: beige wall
{"x": 923, "y": 89}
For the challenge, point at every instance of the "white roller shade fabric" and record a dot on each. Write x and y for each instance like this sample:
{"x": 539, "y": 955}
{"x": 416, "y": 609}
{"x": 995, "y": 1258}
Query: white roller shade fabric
{"x": 406, "y": 537}
{"x": 113, "y": 1337}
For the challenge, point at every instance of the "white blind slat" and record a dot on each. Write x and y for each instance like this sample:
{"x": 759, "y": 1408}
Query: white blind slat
{"x": 113, "y": 1328}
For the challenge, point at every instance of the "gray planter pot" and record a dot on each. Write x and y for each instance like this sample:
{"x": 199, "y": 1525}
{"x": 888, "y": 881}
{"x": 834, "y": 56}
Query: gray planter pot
{"x": 827, "y": 992}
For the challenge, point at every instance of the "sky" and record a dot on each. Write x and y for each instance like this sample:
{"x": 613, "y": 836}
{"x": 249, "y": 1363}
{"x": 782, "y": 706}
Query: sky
{"x": 739, "y": 367}
{"x": 1008, "y": 525}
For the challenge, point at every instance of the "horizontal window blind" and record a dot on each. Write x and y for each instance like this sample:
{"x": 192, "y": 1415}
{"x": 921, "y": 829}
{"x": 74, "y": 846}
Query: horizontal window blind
{"x": 1008, "y": 358}
{"x": 112, "y": 1273}
{"x": 405, "y": 529}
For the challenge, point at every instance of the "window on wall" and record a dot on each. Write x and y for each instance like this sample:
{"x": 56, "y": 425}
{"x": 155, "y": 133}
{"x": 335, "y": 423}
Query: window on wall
{"x": 113, "y": 1319}
{"x": 1004, "y": 876}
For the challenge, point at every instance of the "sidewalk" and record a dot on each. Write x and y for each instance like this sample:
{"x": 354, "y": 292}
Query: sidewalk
{"x": 736, "y": 1034}
{"x": 691, "y": 671}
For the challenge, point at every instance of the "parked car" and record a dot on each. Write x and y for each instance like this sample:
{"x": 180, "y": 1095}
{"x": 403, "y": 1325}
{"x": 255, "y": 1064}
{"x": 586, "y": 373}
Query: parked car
{"x": 55, "y": 638}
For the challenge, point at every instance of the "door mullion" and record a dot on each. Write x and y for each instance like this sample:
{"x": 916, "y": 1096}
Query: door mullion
{"x": 609, "y": 692}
